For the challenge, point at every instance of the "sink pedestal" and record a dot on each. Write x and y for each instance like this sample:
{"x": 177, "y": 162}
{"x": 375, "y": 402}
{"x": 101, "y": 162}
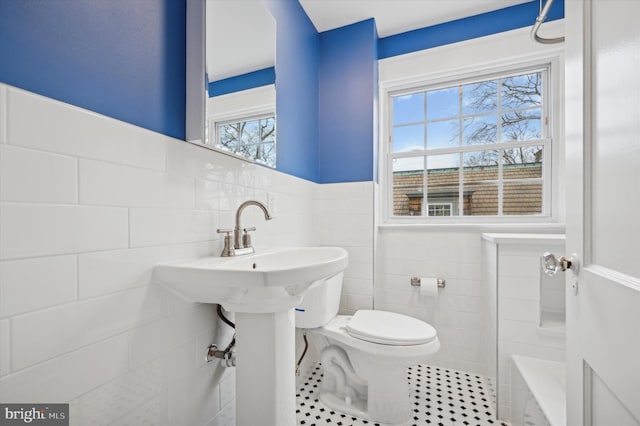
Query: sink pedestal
{"x": 261, "y": 289}
{"x": 265, "y": 365}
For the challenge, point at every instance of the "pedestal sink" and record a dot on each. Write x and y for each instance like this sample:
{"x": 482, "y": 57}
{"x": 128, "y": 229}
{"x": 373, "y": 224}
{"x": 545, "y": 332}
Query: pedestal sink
{"x": 262, "y": 289}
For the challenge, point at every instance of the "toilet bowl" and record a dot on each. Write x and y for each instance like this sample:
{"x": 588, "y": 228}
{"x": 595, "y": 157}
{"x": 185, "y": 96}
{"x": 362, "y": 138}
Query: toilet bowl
{"x": 364, "y": 356}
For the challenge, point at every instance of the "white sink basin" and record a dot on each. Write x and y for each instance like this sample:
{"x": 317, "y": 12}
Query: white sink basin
{"x": 267, "y": 281}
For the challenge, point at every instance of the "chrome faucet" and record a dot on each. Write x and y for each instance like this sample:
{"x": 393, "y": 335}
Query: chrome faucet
{"x": 241, "y": 242}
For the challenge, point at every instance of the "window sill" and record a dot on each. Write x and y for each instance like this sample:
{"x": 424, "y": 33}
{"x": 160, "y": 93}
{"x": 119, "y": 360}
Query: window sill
{"x": 537, "y": 227}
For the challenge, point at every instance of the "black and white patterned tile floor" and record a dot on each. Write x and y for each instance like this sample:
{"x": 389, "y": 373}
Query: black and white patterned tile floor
{"x": 439, "y": 397}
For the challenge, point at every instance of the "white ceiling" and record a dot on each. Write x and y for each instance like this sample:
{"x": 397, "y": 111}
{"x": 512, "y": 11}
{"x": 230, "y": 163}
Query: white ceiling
{"x": 396, "y": 16}
{"x": 241, "y": 34}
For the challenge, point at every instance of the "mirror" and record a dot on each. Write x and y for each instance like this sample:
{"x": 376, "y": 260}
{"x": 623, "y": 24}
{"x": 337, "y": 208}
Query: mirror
{"x": 297, "y": 83}
{"x": 240, "y": 74}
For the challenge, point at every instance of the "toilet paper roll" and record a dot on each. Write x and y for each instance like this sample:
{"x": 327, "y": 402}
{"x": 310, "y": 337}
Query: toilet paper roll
{"x": 428, "y": 286}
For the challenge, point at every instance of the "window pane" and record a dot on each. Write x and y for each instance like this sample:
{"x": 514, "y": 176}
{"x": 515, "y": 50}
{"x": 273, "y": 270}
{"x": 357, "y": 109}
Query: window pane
{"x": 250, "y": 132}
{"x": 267, "y": 154}
{"x": 480, "y": 199}
{"x": 253, "y": 139}
{"x": 443, "y": 103}
{"x": 522, "y": 163}
{"x": 522, "y": 198}
{"x": 480, "y": 130}
{"x": 408, "y": 186}
{"x": 480, "y": 176}
{"x": 408, "y": 108}
{"x": 247, "y": 150}
{"x": 230, "y": 136}
{"x": 480, "y": 166}
{"x": 443, "y": 134}
{"x": 522, "y": 91}
{"x": 443, "y": 181}
{"x": 267, "y": 149}
{"x": 268, "y": 129}
{"x": 408, "y": 138}
{"x": 480, "y": 97}
{"x": 522, "y": 125}
{"x": 249, "y": 138}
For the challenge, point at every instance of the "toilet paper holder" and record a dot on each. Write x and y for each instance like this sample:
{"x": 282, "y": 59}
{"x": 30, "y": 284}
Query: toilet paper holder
{"x": 415, "y": 281}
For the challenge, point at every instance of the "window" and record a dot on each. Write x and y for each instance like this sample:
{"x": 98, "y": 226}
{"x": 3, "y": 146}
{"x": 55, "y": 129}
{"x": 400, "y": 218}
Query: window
{"x": 471, "y": 148}
{"x": 440, "y": 209}
{"x": 253, "y": 138}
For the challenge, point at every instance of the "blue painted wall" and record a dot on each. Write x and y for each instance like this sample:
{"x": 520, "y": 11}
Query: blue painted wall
{"x": 348, "y": 143}
{"x": 498, "y": 21}
{"x": 123, "y": 59}
{"x": 247, "y": 81}
{"x": 126, "y": 59}
{"x": 297, "y": 46}
{"x": 348, "y": 86}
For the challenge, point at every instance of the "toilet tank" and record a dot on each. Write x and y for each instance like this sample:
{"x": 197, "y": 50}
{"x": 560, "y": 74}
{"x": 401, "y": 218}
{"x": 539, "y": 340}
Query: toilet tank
{"x": 320, "y": 304}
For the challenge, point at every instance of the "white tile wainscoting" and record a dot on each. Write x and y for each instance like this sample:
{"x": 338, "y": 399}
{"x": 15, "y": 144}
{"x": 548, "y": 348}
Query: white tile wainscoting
{"x": 459, "y": 312}
{"x": 346, "y": 220}
{"x": 88, "y": 206}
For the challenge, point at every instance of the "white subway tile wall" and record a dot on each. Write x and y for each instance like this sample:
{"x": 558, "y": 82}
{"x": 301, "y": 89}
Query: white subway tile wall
{"x": 29, "y": 166}
{"x": 31, "y": 284}
{"x": 346, "y": 220}
{"x": 43, "y": 124}
{"x": 35, "y": 230}
{"x": 88, "y": 206}
{"x": 108, "y": 184}
{"x": 68, "y": 376}
{"x": 59, "y": 330}
{"x": 459, "y": 311}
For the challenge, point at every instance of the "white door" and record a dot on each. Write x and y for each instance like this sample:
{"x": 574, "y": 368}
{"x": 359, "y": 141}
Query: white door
{"x": 603, "y": 211}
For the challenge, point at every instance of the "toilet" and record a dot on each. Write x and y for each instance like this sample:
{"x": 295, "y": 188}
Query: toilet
{"x": 364, "y": 356}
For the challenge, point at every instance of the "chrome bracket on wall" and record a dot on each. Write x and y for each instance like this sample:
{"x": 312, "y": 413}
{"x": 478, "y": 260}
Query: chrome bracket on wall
{"x": 417, "y": 282}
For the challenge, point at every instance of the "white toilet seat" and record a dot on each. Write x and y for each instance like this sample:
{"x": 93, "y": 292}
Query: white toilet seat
{"x": 337, "y": 329}
{"x": 389, "y": 328}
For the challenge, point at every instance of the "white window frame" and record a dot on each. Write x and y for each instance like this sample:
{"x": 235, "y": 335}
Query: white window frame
{"x": 544, "y": 141}
{"x": 240, "y": 106}
{"x": 409, "y": 81}
{"x": 215, "y": 125}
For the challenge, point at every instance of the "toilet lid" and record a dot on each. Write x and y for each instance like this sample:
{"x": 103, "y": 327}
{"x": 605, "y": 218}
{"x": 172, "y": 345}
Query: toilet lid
{"x": 389, "y": 328}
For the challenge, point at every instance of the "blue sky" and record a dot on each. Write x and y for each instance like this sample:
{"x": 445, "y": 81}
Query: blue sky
{"x": 441, "y": 120}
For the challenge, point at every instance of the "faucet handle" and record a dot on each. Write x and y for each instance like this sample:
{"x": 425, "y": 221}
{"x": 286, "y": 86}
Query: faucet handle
{"x": 228, "y": 249}
{"x": 246, "y": 238}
